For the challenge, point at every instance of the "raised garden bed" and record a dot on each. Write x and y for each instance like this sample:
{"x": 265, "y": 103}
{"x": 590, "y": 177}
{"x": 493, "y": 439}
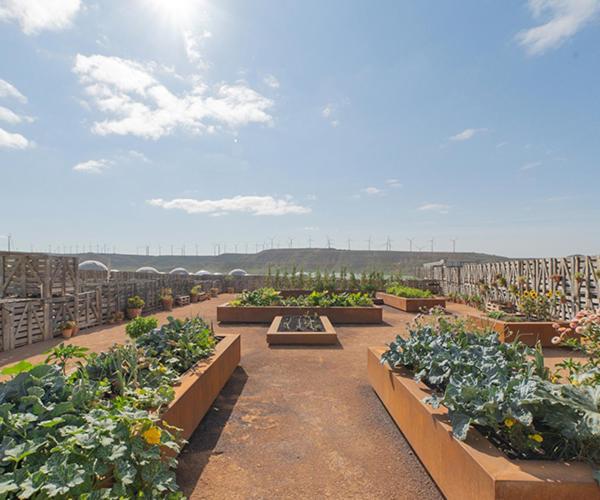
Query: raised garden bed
{"x": 281, "y": 333}
{"x": 410, "y": 304}
{"x": 528, "y": 332}
{"x": 201, "y": 385}
{"x": 473, "y": 469}
{"x": 266, "y": 314}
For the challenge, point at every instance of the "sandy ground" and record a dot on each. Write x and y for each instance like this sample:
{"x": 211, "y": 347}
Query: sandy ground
{"x": 292, "y": 422}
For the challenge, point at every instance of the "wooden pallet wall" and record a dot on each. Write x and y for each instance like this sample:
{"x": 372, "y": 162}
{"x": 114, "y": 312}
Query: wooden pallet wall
{"x": 576, "y": 278}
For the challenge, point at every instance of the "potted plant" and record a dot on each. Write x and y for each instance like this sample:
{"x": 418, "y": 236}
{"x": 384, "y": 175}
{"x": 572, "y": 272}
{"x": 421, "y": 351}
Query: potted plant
{"x": 67, "y": 328}
{"x": 166, "y": 297}
{"x": 195, "y": 293}
{"x": 135, "y": 305}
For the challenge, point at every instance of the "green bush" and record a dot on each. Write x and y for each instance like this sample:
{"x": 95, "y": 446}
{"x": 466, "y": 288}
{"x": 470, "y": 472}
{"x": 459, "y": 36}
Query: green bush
{"x": 135, "y": 302}
{"x": 408, "y": 292}
{"x": 139, "y": 326}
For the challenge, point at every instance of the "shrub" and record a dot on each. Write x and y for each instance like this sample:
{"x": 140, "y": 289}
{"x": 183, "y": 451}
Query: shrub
{"x": 135, "y": 302}
{"x": 408, "y": 292}
{"x": 139, "y": 326}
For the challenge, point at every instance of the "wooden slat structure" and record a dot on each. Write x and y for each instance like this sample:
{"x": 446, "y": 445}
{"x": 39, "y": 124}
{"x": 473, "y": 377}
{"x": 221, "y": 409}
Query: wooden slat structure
{"x": 576, "y": 278}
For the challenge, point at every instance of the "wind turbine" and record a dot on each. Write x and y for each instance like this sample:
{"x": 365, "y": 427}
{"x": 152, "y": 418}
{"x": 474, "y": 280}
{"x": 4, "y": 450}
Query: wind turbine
{"x": 329, "y": 242}
{"x": 410, "y": 244}
{"x": 453, "y": 240}
{"x": 349, "y": 242}
{"x": 369, "y": 243}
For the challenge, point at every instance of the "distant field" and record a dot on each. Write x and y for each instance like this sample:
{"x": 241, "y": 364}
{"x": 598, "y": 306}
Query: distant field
{"x": 307, "y": 259}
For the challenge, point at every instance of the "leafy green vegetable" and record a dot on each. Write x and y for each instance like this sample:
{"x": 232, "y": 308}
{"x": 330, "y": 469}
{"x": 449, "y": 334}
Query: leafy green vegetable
{"x": 97, "y": 432}
{"x": 408, "y": 292}
{"x": 504, "y": 390}
{"x": 140, "y": 325}
{"x": 269, "y": 297}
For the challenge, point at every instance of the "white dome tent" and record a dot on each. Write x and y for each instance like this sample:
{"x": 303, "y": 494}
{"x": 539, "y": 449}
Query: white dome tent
{"x": 238, "y": 272}
{"x": 147, "y": 269}
{"x": 92, "y": 265}
{"x": 203, "y": 272}
{"x": 179, "y": 270}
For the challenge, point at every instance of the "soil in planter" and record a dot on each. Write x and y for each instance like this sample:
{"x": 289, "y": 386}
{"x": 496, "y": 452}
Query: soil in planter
{"x": 306, "y": 323}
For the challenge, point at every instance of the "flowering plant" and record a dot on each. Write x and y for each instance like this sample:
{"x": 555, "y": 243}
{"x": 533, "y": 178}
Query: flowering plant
{"x": 537, "y": 306}
{"x": 582, "y": 334}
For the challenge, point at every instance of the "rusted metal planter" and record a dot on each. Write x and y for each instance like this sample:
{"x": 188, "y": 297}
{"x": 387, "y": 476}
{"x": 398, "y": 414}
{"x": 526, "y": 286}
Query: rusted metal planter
{"x": 266, "y": 314}
{"x": 327, "y": 337}
{"x": 201, "y": 385}
{"x": 473, "y": 469}
{"x": 528, "y": 332}
{"x": 410, "y": 305}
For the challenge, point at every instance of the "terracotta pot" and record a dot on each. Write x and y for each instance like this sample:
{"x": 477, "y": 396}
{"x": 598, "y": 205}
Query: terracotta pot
{"x": 230, "y": 290}
{"x": 167, "y": 304}
{"x": 134, "y": 313}
{"x": 75, "y": 331}
{"x": 194, "y": 298}
{"x": 67, "y": 333}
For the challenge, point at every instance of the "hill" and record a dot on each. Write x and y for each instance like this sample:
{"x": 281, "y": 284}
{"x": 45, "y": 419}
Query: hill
{"x": 307, "y": 259}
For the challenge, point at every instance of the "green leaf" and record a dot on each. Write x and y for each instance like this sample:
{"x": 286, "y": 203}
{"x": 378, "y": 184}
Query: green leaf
{"x": 460, "y": 425}
{"x": 20, "y": 367}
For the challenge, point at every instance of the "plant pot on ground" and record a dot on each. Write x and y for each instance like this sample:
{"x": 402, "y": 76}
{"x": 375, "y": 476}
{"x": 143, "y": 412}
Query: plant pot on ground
{"x": 195, "y": 293}
{"x": 67, "y": 329}
{"x": 166, "y": 298}
{"x": 135, "y": 305}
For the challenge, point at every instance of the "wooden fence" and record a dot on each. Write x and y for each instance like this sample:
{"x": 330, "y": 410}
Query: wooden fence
{"x": 576, "y": 279}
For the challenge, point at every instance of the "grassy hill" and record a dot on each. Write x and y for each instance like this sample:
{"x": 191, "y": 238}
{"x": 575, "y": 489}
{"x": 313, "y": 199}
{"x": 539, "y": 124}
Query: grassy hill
{"x": 307, "y": 259}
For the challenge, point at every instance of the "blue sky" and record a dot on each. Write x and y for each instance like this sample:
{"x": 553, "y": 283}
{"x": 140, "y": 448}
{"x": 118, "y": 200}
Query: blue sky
{"x": 172, "y": 122}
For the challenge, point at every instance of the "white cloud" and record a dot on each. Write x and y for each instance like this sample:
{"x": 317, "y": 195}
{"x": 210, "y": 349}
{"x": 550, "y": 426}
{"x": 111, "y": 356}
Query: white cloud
{"x": 531, "y": 165}
{"x": 8, "y": 116}
{"x": 271, "y": 81}
{"x": 564, "y": 19}
{"x": 192, "y": 43}
{"x": 92, "y": 166}
{"x": 372, "y": 190}
{"x": 327, "y": 111}
{"x": 501, "y": 144}
{"x": 13, "y": 141}
{"x": 138, "y": 155}
{"x": 467, "y": 134}
{"x": 256, "y": 205}
{"x": 137, "y": 103}
{"x": 39, "y": 15}
{"x": 8, "y": 90}
{"x": 394, "y": 183}
{"x": 435, "y": 207}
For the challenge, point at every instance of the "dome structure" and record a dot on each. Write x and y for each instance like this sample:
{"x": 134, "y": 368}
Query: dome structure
{"x": 92, "y": 265}
{"x": 217, "y": 274}
{"x": 179, "y": 270}
{"x": 203, "y": 272}
{"x": 237, "y": 272}
{"x": 147, "y": 269}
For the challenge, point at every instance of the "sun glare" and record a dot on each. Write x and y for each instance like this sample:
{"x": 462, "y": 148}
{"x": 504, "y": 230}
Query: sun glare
{"x": 177, "y": 12}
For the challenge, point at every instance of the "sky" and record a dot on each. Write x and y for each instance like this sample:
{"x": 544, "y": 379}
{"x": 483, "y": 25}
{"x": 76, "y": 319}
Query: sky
{"x": 190, "y": 123}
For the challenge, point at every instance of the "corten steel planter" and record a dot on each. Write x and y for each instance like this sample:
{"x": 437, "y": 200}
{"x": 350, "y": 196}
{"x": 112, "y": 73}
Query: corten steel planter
{"x": 528, "y": 332}
{"x": 266, "y": 314}
{"x": 201, "y": 385}
{"x": 326, "y": 337}
{"x": 473, "y": 469}
{"x": 408, "y": 304}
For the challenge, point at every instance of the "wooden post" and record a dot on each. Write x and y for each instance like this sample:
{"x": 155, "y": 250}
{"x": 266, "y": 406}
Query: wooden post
{"x": 7, "y": 327}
